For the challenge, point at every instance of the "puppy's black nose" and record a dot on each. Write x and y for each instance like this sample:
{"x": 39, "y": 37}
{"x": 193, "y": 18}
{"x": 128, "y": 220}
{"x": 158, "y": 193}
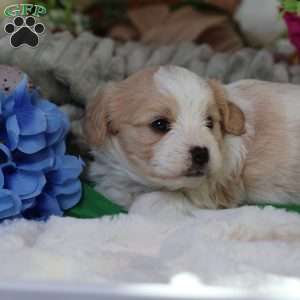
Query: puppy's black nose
{"x": 200, "y": 156}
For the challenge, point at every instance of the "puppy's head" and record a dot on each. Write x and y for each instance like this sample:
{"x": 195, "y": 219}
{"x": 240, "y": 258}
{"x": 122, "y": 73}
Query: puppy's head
{"x": 169, "y": 124}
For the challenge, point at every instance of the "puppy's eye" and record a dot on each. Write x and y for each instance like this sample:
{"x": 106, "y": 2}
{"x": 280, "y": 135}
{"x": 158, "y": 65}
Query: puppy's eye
{"x": 161, "y": 125}
{"x": 210, "y": 122}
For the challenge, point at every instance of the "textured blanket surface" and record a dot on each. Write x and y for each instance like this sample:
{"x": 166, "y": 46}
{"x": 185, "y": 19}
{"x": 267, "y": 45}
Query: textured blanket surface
{"x": 158, "y": 242}
{"x": 71, "y": 69}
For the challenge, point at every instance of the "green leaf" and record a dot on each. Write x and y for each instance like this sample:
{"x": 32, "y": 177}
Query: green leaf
{"x": 291, "y": 6}
{"x": 288, "y": 207}
{"x": 93, "y": 205}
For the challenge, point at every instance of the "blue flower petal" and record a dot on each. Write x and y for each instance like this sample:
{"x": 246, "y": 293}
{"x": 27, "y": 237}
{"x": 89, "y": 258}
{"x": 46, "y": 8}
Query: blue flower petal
{"x": 46, "y": 106}
{"x": 55, "y": 137}
{"x": 5, "y": 155}
{"x": 31, "y": 120}
{"x": 21, "y": 95}
{"x": 47, "y": 206}
{"x": 59, "y": 148}
{"x": 35, "y": 97}
{"x": 32, "y": 144}
{"x": 28, "y": 203}
{"x": 53, "y": 123}
{"x": 10, "y": 204}
{"x": 70, "y": 187}
{"x": 2, "y": 99}
{"x": 56, "y": 118}
{"x": 66, "y": 168}
{"x": 40, "y": 161}
{"x": 68, "y": 201}
{"x": 8, "y": 105}
{"x": 25, "y": 184}
{"x": 13, "y": 132}
{"x": 1, "y": 179}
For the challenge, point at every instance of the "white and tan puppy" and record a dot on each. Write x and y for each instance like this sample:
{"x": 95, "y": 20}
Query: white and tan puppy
{"x": 166, "y": 129}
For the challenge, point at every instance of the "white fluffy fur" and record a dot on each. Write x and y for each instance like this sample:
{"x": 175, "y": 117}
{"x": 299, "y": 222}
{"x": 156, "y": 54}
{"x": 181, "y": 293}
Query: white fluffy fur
{"x": 232, "y": 167}
{"x": 113, "y": 175}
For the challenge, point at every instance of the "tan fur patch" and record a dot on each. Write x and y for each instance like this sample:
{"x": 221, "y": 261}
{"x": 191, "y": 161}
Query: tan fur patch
{"x": 270, "y": 148}
{"x": 228, "y": 194}
{"x": 233, "y": 119}
{"x": 95, "y": 121}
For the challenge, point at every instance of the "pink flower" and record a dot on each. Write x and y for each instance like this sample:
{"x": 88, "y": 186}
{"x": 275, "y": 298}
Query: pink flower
{"x": 293, "y": 23}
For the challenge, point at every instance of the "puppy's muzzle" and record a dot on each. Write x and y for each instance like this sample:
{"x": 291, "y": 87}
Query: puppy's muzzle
{"x": 199, "y": 158}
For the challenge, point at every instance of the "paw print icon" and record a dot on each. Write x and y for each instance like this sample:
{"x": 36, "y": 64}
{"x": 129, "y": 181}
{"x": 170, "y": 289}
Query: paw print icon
{"x": 24, "y": 31}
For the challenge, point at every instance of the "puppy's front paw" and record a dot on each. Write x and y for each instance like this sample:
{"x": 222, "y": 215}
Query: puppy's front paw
{"x": 171, "y": 204}
{"x": 147, "y": 202}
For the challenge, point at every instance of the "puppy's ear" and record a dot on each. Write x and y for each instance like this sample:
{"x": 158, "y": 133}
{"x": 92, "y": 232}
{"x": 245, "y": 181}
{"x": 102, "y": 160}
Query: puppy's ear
{"x": 97, "y": 123}
{"x": 233, "y": 119}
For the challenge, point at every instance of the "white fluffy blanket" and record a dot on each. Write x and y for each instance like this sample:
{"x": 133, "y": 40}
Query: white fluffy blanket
{"x": 158, "y": 242}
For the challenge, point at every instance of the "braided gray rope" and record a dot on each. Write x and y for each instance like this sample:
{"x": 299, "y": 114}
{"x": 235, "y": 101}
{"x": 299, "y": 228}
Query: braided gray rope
{"x": 75, "y": 68}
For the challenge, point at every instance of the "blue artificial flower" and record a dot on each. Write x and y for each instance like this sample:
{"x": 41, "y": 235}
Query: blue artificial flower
{"x": 37, "y": 178}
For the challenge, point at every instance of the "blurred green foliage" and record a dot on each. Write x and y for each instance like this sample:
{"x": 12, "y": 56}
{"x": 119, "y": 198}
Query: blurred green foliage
{"x": 60, "y": 13}
{"x": 292, "y": 6}
{"x": 66, "y": 5}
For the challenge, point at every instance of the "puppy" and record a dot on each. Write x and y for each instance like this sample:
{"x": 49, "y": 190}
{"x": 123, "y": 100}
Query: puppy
{"x": 165, "y": 129}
